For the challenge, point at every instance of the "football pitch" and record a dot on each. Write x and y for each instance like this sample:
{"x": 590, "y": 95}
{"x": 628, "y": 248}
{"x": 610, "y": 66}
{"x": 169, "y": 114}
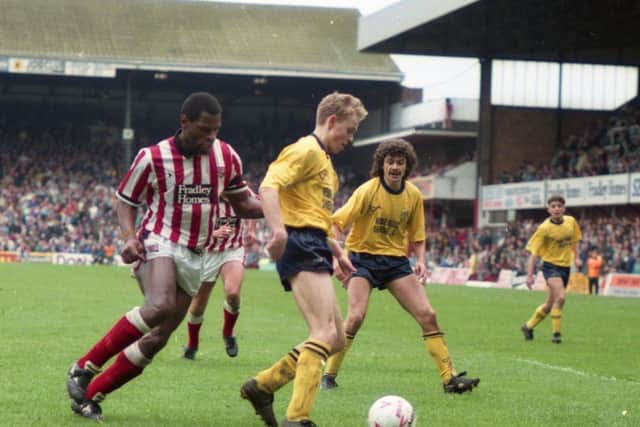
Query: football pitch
{"x": 50, "y": 315}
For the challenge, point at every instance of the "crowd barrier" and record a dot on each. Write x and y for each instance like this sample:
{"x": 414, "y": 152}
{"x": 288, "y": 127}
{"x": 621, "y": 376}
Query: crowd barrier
{"x": 622, "y": 285}
{"x": 614, "y": 284}
{"x": 449, "y": 276}
{"x": 61, "y": 258}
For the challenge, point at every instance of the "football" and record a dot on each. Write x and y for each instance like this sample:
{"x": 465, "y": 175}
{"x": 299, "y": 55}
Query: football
{"x": 391, "y": 411}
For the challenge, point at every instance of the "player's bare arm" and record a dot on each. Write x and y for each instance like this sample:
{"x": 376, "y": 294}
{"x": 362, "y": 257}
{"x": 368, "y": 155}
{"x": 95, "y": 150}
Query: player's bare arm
{"x": 133, "y": 249}
{"x": 343, "y": 274}
{"x": 530, "y": 266}
{"x": 271, "y": 207}
{"x": 343, "y": 267}
{"x": 250, "y": 233}
{"x": 420, "y": 269}
{"x": 222, "y": 232}
{"x": 576, "y": 255}
{"x": 245, "y": 204}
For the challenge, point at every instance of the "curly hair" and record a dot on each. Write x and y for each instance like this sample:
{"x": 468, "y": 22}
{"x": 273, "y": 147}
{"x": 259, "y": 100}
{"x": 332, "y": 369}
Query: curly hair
{"x": 393, "y": 147}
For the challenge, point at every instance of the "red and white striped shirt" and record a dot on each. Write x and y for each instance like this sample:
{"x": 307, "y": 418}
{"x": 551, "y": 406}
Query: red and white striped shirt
{"x": 181, "y": 193}
{"x": 226, "y": 216}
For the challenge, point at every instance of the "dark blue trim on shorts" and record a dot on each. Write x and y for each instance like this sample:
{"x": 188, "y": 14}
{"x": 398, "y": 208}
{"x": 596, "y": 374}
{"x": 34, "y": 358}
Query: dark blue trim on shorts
{"x": 307, "y": 250}
{"x": 380, "y": 270}
{"x": 551, "y": 270}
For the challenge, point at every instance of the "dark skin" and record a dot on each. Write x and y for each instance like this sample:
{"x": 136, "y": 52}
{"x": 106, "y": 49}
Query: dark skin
{"x": 166, "y": 303}
{"x": 197, "y": 137}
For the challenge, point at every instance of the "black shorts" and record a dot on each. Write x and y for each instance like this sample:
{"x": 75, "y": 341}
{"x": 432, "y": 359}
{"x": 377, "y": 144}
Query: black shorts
{"x": 551, "y": 270}
{"x": 380, "y": 269}
{"x": 307, "y": 250}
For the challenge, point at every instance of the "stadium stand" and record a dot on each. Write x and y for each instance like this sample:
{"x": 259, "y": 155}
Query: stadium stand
{"x": 56, "y": 196}
{"x": 57, "y": 193}
{"x": 603, "y": 148}
{"x": 489, "y": 250}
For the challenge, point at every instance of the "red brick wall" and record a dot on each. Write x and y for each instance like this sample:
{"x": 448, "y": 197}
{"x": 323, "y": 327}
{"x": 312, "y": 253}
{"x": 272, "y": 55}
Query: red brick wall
{"x": 521, "y": 134}
{"x": 530, "y": 134}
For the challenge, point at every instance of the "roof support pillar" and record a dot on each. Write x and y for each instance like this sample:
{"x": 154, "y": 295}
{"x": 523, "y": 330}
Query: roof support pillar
{"x": 127, "y": 131}
{"x": 485, "y": 125}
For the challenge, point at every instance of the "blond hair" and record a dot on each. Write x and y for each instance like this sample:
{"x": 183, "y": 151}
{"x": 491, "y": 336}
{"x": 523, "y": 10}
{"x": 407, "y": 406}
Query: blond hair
{"x": 342, "y": 105}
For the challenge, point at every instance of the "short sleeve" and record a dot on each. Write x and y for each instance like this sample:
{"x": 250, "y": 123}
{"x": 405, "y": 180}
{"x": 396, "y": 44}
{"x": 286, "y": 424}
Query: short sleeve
{"x": 237, "y": 183}
{"x": 535, "y": 242}
{"x": 291, "y": 167}
{"x": 134, "y": 186}
{"x": 577, "y": 234}
{"x": 416, "y": 221}
{"x": 350, "y": 211}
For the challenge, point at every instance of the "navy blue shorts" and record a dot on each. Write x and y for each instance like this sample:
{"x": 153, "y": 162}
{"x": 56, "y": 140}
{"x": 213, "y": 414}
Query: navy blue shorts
{"x": 307, "y": 250}
{"x": 380, "y": 269}
{"x": 551, "y": 270}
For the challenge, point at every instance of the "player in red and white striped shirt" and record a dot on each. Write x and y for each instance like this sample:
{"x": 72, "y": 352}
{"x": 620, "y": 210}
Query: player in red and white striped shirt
{"x": 180, "y": 180}
{"x": 225, "y": 258}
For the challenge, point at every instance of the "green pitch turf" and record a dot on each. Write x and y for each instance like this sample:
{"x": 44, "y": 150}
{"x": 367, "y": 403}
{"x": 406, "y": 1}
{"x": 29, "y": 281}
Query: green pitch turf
{"x": 50, "y": 315}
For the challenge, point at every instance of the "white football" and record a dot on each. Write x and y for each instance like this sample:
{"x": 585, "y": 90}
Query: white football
{"x": 391, "y": 411}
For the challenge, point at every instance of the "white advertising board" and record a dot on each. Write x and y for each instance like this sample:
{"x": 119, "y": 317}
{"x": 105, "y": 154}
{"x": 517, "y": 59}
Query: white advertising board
{"x": 592, "y": 190}
{"x": 522, "y": 195}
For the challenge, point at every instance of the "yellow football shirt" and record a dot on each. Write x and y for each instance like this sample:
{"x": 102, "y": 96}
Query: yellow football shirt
{"x": 306, "y": 182}
{"x": 382, "y": 221}
{"x": 554, "y": 243}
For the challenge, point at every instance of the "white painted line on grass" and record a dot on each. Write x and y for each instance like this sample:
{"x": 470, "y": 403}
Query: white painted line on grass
{"x": 574, "y": 371}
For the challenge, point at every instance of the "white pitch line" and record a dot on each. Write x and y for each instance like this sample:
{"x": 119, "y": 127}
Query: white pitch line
{"x": 575, "y": 371}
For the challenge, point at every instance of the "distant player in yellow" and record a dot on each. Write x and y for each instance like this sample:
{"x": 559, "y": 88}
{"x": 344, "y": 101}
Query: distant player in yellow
{"x": 556, "y": 242}
{"x": 386, "y": 214}
{"x": 297, "y": 195}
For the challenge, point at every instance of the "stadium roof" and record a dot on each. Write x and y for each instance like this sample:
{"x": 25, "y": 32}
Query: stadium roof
{"x": 417, "y": 136}
{"x": 587, "y": 31}
{"x": 174, "y": 35}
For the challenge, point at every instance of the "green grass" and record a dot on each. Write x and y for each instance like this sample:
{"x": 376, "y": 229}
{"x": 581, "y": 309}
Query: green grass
{"x": 50, "y": 315}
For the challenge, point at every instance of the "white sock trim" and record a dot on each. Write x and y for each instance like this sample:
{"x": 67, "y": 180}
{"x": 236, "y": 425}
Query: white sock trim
{"x": 135, "y": 356}
{"x": 133, "y": 316}
{"x": 195, "y": 320}
{"x": 230, "y": 309}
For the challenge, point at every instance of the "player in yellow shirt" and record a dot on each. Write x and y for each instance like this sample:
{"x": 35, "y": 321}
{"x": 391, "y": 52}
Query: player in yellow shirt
{"x": 386, "y": 214}
{"x": 297, "y": 196}
{"x": 556, "y": 242}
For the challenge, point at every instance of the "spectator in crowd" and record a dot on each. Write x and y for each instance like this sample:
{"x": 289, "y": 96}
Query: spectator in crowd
{"x": 109, "y": 253}
{"x": 594, "y": 267}
{"x": 603, "y": 148}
